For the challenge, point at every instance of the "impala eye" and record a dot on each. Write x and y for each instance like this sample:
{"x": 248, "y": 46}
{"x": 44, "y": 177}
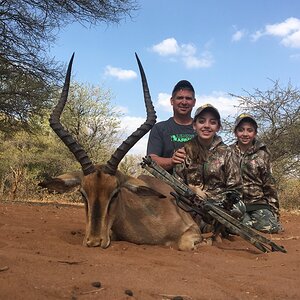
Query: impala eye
{"x": 113, "y": 197}
{"x": 114, "y": 194}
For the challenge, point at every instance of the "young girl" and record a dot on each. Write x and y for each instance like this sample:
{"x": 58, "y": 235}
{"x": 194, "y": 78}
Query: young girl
{"x": 259, "y": 192}
{"x": 209, "y": 167}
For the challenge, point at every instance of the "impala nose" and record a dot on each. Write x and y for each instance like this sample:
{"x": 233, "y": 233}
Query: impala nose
{"x": 92, "y": 242}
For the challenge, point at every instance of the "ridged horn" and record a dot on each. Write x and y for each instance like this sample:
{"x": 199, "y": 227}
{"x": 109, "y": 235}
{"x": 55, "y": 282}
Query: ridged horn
{"x": 63, "y": 134}
{"x": 112, "y": 164}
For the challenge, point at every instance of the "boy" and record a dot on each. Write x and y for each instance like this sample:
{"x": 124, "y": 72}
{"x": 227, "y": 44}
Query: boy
{"x": 259, "y": 192}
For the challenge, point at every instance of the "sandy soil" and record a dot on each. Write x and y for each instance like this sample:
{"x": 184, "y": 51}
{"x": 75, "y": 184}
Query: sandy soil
{"x": 42, "y": 257}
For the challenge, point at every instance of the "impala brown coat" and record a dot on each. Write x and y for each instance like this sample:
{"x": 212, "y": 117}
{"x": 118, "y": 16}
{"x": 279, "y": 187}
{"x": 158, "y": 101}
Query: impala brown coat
{"x": 138, "y": 210}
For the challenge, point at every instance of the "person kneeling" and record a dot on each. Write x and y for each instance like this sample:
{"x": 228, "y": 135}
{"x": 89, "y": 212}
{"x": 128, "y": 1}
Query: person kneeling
{"x": 209, "y": 167}
{"x": 259, "y": 192}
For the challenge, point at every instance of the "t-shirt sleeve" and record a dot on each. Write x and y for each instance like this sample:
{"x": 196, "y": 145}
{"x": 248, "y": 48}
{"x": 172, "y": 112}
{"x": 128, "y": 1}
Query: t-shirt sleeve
{"x": 155, "y": 142}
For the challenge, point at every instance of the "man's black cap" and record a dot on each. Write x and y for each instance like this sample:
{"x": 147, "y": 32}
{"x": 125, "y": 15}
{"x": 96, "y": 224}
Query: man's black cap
{"x": 183, "y": 85}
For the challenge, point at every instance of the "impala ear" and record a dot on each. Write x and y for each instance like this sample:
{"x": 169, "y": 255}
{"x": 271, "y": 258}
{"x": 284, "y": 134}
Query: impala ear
{"x": 140, "y": 188}
{"x": 63, "y": 183}
{"x": 146, "y": 191}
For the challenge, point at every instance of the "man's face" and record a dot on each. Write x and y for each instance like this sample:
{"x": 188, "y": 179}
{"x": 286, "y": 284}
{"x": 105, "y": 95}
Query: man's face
{"x": 245, "y": 133}
{"x": 183, "y": 102}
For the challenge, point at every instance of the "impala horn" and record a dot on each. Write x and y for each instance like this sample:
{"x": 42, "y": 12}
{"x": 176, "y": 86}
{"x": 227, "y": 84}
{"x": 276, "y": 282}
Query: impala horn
{"x": 63, "y": 134}
{"x": 79, "y": 153}
{"x": 112, "y": 164}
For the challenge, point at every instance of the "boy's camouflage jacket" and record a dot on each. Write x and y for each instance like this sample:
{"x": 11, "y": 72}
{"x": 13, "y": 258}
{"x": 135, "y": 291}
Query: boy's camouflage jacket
{"x": 258, "y": 181}
{"x": 212, "y": 170}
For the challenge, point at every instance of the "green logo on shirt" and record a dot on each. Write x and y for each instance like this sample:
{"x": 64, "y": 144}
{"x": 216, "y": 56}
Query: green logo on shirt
{"x": 181, "y": 137}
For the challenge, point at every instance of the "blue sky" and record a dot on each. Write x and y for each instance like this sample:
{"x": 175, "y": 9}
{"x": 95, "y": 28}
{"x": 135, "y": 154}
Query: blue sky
{"x": 220, "y": 46}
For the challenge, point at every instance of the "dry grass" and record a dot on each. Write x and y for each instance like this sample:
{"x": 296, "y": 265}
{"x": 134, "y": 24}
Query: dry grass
{"x": 290, "y": 195}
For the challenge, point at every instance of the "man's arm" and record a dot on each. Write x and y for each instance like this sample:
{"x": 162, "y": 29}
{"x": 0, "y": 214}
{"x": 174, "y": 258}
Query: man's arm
{"x": 169, "y": 162}
{"x": 155, "y": 149}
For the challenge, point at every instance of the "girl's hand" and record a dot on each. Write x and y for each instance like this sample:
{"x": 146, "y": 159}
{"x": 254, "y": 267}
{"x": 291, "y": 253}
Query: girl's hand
{"x": 178, "y": 156}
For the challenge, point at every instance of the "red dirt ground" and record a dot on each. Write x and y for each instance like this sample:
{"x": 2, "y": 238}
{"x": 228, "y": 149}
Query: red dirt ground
{"x": 42, "y": 257}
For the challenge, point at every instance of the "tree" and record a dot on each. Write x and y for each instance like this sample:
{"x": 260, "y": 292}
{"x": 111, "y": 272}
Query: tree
{"x": 21, "y": 97}
{"x": 92, "y": 121}
{"x": 27, "y": 28}
{"x": 131, "y": 165}
{"x": 28, "y": 157}
{"x": 277, "y": 112}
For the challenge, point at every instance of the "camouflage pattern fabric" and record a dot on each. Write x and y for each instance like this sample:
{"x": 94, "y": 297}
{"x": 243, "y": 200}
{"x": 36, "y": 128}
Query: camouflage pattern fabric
{"x": 263, "y": 220}
{"x": 259, "y": 191}
{"x": 258, "y": 181}
{"x": 213, "y": 170}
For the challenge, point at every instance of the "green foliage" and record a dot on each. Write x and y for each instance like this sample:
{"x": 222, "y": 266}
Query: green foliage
{"x": 22, "y": 97}
{"x": 27, "y": 30}
{"x": 27, "y": 158}
{"x": 28, "y": 80}
{"x": 92, "y": 121}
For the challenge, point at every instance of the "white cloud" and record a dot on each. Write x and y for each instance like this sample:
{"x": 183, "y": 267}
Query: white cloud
{"x": 188, "y": 50}
{"x": 285, "y": 28}
{"x": 225, "y": 104}
{"x": 140, "y": 148}
{"x": 167, "y": 47}
{"x": 295, "y": 56}
{"x": 292, "y": 40}
{"x": 187, "y": 53}
{"x": 288, "y": 31}
{"x": 238, "y": 35}
{"x": 130, "y": 124}
{"x": 163, "y": 102}
{"x": 192, "y": 62}
{"x": 119, "y": 73}
{"x": 257, "y": 35}
{"x": 121, "y": 109}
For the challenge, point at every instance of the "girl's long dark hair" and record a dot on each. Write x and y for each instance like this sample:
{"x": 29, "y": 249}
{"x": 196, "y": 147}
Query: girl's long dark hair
{"x": 196, "y": 151}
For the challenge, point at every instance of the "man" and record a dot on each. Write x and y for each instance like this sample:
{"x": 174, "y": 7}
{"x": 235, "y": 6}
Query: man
{"x": 167, "y": 138}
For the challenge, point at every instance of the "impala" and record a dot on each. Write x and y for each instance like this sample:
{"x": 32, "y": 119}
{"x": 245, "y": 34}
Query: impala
{"x": 121, "y": 207}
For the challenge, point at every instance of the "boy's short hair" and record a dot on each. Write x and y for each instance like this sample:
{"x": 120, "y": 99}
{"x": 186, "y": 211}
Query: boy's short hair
{"x": 247, "y": 118}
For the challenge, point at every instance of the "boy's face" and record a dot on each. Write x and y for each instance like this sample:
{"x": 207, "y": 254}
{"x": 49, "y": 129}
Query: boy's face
{"x": 245, "y": 133}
